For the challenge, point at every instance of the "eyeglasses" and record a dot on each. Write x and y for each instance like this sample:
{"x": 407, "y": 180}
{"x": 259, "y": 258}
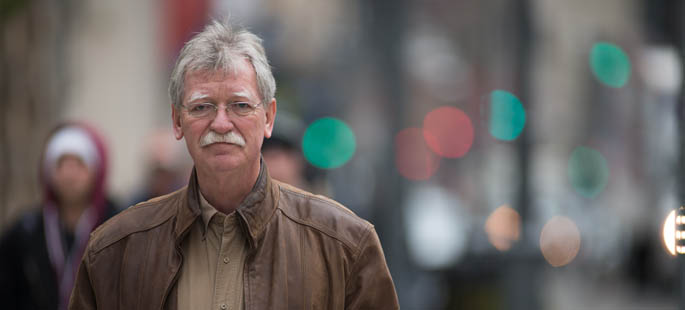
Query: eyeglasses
{"x": 208, "y": 110}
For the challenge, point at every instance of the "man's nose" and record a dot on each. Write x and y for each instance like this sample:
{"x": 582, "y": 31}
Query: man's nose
{"x": 222, "y": 122}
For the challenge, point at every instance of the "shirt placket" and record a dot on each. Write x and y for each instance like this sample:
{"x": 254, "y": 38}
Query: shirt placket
{"x": 224, "y": 268}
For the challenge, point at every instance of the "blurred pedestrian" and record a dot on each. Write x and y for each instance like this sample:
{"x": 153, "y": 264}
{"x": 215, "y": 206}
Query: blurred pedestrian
{"x": 234, "y": 238}
{"x": 40, "y": 253}
{"x": 167, "y": 167}
{"x": 282, "y": 153}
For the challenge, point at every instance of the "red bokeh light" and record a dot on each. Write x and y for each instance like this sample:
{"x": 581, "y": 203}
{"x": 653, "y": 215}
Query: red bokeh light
{"x": 413, "y": 159}
{"x": 448, "y": 132}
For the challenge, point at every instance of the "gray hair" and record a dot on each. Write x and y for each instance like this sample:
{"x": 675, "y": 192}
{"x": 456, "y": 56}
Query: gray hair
{"x": 216, "y": 48}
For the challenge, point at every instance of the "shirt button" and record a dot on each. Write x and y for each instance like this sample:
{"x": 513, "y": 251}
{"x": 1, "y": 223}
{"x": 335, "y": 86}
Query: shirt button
{"x": 226, "y": 260}
{"x": 223, "y": 306}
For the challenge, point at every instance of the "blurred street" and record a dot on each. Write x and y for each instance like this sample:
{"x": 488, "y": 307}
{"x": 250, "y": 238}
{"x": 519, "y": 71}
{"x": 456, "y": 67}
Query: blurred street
{"x": 520, "y": 154}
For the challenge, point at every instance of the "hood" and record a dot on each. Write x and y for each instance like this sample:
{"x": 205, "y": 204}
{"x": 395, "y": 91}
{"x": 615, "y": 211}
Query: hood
{"x": 84, "y": 141}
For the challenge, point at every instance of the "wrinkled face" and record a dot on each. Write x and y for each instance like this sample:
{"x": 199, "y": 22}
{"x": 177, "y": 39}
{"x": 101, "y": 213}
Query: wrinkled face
{"x": 72, "y": 180}
{"x": 221, "y": 89}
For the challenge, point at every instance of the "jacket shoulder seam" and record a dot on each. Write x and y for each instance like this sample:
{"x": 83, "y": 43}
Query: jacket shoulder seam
{"x": 322, "y": 229}
{"x": 348, "y": 244}
{"x": 319, "y": 198}
{"x": 100, "y": 245}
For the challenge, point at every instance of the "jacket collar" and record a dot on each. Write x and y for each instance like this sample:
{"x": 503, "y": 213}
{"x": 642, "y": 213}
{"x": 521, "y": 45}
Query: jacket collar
{"x": 255, "y": 210}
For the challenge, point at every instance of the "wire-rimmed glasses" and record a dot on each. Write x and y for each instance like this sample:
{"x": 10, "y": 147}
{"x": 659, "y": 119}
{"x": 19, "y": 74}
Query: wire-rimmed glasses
{"x": 209, "y": 110}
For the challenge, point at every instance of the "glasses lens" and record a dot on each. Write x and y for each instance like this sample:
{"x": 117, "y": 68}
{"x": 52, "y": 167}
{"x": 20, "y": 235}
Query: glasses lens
{"x": 201, "y": 109}
{"x": 242, "y": 108}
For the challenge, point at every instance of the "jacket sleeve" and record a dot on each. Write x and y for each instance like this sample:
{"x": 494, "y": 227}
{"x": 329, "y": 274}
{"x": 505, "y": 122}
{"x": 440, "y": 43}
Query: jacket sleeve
{"x": 82, "y": 296}
{"x": 370, "y": 285}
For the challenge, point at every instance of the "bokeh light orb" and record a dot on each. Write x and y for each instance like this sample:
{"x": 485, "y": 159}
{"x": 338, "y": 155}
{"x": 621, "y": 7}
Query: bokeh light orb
{"x": 669, "y": 233}
{"x": 448, "y": 132}
{"x": 507, "y": 115}
{"x": 413, "y": 159}
{"x": 559, "y": 241}
{"x": 503, "y": 227}
{"x": 610, "y": 64}
{"x": 588, "y": 171}
{"x": 328, "y": 143}
{"x": 437, "y": 228}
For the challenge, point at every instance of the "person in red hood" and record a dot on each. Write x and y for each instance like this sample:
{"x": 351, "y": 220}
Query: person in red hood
{"x": 40, "y": 253}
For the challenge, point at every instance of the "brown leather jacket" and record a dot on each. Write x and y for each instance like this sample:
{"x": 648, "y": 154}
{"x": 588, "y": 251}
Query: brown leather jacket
{"x": 305, "y": 252}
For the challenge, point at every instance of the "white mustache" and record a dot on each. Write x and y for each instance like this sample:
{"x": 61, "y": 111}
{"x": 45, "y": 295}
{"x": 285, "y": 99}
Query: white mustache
{"x": 230, "y": 137}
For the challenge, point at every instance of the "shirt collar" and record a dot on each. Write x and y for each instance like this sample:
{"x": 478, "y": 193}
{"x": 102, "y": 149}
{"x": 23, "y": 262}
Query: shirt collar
{"x": 207, "y": 211}
{"x": 259, "y": 205}
{"x": 253, "y": 213}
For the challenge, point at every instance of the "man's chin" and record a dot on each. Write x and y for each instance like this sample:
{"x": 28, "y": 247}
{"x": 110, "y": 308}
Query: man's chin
{"x": 226, "y": 158}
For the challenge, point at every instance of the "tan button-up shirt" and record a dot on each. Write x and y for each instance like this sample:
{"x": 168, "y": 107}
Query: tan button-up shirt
{"x": 211, "y": 276}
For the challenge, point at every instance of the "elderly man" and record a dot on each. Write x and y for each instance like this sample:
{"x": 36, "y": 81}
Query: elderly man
{"x": 233, "y": 238}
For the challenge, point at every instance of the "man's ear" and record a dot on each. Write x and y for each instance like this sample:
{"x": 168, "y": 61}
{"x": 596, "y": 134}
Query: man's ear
{"x": 270, "y": 118}
{"x": 176, "y": 120}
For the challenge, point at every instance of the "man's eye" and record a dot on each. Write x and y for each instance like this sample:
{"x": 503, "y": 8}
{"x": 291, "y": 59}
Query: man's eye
{"x": 242, "y": 108}
{"x": 201, "y": 108}
{"x": 242, "y": 105}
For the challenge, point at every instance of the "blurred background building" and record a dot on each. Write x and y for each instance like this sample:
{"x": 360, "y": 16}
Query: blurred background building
{"x": 513, "y": 154}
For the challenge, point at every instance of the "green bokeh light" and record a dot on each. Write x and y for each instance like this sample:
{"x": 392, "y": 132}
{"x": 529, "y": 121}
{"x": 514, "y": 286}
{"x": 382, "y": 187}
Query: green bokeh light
{"x": 328, "y": 143}
{"x": 507, "y": 115}
{"x": 610, "y": 64}
{"x": 588, "y": 171}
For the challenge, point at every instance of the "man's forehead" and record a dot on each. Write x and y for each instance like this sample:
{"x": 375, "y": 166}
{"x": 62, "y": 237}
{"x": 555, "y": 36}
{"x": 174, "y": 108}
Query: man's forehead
{"x": 220, "y": 75}
{"x": 222, "y": 70}
{"x": 209, "y": 75}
